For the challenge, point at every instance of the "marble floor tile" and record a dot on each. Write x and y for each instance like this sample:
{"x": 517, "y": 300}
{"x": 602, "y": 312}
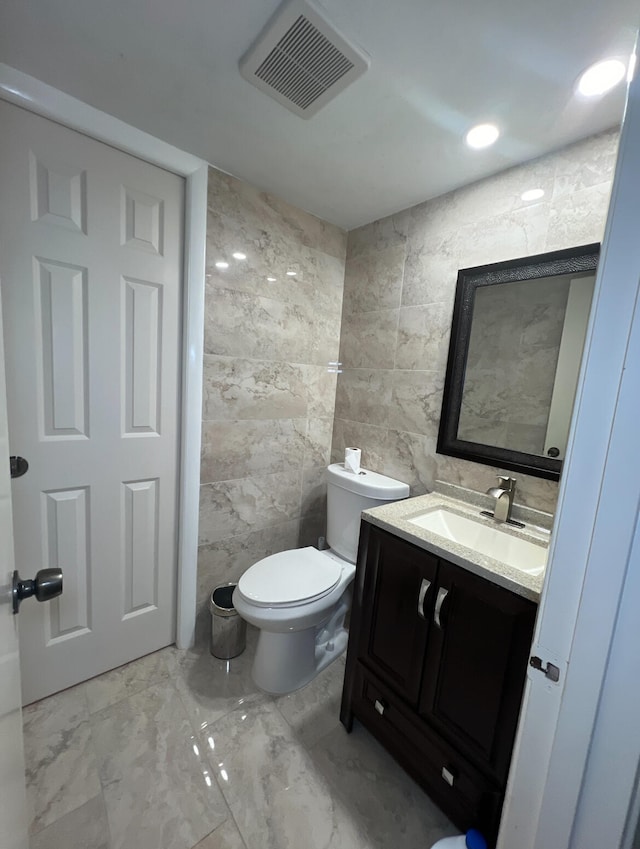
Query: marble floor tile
{"x": 314, "y": 711}
{"x": 209, "y": 687}
{"x": 226, "y": 836}
{"x": 84, "y": 828}
{"x": 201, "y": 759}
{"x": 117, "y": 684}
{"x": 382, "y": 798}
{"x": 158, "y": 788}
{"x": 278, "y": 798}
{"x": 61, "y": 768}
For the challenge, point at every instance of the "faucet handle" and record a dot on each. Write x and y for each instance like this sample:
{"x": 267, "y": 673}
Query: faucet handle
{"x": 505, "y": 482}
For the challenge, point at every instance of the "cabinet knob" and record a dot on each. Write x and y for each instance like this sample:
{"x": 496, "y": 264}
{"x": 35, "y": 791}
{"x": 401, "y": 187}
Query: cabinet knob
{"x": 379, "y": 706}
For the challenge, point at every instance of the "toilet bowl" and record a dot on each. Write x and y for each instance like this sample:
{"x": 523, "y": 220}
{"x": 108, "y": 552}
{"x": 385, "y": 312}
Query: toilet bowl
{"x": 299, "y": 598}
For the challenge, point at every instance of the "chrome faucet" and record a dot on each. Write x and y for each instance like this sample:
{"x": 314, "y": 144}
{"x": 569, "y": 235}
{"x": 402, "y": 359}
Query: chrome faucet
{"x": 503, "y": 494}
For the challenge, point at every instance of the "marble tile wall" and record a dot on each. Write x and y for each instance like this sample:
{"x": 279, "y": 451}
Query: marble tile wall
{"x": 268, "y": 399}
{"x": 398, "y": 299}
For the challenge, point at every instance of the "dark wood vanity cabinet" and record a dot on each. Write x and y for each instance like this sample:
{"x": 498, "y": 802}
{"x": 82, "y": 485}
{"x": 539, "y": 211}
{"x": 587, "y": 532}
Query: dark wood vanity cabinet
{"x": 436, "y": 666}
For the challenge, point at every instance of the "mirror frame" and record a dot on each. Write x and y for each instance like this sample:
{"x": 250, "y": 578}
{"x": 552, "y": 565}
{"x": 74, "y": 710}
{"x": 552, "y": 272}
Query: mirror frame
{"x": 555, "y": 263}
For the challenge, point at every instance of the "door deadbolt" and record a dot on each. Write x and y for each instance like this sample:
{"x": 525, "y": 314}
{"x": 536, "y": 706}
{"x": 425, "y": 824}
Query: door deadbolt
{"x": 46, "y": 585}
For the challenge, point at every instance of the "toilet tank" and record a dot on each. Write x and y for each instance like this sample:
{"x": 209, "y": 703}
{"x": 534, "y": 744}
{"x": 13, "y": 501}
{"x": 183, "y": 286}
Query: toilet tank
{"x": 348, "y": 495}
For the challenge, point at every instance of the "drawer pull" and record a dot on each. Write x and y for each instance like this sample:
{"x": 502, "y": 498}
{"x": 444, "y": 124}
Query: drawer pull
{"x": 442, "y": 594}
{"x": 448, "y": 776}
{"x": 424, "y": 589}
{"x": 379, "y": 706}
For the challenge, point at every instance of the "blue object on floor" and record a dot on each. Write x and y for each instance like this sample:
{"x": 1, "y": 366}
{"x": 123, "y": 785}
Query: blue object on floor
{"x": 471, "y": 840}
{"x": 474, "y": 840}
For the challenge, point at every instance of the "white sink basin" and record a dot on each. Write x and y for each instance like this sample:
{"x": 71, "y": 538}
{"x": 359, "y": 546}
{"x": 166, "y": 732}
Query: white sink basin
{"x": 485, "y": 538}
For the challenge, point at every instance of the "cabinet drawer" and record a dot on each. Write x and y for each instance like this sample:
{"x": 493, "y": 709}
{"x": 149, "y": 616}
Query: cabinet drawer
{"x": 468, "y": 798}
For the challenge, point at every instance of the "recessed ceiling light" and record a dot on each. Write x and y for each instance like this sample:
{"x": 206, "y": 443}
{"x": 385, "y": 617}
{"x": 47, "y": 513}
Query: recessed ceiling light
{"x": 532, "y": 194}
{"x": 601, "y": 77}
{"x": 221, "y": 264}
{"x": 272, "y": 279}
{"x": 291, "y": 273}
{"x": 482, "y": 135}
{"x": 239, "y": 255}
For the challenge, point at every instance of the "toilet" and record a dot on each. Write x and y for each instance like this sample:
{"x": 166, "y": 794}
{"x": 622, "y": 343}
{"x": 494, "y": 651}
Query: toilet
{"x": 299, "y": 598}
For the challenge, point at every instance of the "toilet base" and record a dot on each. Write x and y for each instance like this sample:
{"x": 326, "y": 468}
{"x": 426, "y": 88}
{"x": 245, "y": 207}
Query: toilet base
{"x": 285, "y": 662}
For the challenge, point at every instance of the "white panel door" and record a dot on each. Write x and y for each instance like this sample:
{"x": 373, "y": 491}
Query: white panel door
{"x": 90, "y": 260}
{"x": 13, "y": 797}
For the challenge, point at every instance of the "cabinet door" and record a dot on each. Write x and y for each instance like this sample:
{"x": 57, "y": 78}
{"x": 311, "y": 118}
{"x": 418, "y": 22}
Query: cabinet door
{"x": 475, "y": 666}
{"x": 398, "y": 606}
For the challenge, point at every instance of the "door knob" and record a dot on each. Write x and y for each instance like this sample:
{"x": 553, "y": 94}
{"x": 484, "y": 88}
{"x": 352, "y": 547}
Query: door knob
{"x": 46, "y": 585}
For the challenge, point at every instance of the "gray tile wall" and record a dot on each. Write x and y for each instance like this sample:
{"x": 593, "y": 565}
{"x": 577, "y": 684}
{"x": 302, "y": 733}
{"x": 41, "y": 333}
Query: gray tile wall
{"x": 268, "y": 398}
{"x": 398, "y": 299}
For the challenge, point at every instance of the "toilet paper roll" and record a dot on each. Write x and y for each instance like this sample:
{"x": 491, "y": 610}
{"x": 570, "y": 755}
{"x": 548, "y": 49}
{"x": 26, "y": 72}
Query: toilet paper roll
{"x": 352, "y": 460}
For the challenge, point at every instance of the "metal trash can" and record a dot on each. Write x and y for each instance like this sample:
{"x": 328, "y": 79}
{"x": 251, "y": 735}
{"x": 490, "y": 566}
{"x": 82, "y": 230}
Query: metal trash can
{"x": 228, "y": 629}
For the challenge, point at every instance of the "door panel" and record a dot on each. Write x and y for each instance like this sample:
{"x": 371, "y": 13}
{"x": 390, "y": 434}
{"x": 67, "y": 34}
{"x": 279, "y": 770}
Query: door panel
{"x": 13, "y": 799}
{"x": 66, "y": 541}
{"x": 91, "y": 261}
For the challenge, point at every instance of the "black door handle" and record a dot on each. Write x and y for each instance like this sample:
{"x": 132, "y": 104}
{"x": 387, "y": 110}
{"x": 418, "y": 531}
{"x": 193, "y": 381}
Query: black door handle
{"x": 46, "y": 585}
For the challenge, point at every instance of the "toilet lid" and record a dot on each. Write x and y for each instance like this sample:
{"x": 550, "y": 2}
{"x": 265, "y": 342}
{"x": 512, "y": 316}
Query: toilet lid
{"x": 290, "y": 577}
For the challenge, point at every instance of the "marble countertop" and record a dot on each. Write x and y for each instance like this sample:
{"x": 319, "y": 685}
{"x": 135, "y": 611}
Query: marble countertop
{"x": 393, "y": 517}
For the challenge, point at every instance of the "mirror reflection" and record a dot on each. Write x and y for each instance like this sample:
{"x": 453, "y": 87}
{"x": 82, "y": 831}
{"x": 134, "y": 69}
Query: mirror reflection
{"x": 517, "y": 341}
{"x": 524, "y": 356}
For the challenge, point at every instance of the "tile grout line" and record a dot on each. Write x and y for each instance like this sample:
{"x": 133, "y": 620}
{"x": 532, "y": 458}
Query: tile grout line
{"x": 97, "y": 765}
{"x": 32, "y": 832}
{"x": 198, "y": 733}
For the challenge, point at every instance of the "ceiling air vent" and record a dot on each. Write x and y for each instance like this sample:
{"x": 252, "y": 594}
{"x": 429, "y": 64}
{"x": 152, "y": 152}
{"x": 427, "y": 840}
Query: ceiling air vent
{"x": 301, "y": 61}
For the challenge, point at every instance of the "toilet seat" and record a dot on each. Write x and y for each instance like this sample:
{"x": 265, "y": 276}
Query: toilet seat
{"x": 289, "y": 578}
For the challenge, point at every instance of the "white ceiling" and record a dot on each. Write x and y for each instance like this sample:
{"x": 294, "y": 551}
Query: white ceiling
{"x": 392, "y": 139}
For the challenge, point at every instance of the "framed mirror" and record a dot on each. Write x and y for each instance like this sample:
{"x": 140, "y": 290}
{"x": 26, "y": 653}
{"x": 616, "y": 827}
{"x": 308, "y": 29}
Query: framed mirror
{"x": 517, "y": 338}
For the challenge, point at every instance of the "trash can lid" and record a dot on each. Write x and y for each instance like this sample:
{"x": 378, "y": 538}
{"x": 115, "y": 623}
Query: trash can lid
{"x": 221, "y": 600}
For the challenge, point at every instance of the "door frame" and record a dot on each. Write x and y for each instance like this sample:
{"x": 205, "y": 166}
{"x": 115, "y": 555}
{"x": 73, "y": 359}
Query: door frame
{"x": 563, "y": 753}
{"x": 32, "y": 94}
